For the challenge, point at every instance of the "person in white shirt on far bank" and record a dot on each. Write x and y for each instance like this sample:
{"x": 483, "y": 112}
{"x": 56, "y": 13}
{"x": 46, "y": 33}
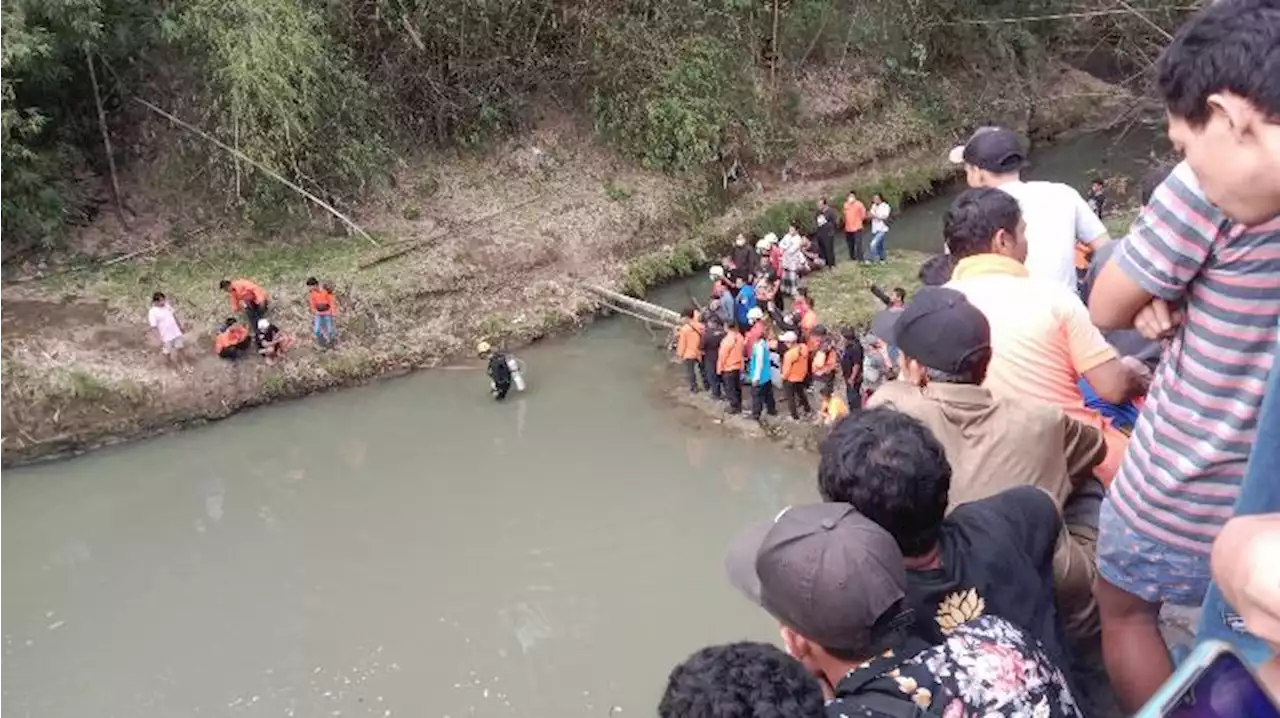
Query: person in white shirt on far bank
{"x": 1057, "y": 216}
{"x": 162, "y": 319}
{"x": 880, "y": 212}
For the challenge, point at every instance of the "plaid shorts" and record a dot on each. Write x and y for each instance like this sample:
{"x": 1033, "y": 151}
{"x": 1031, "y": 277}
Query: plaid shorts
{"x": 1149, "y": 569}
{"x": 790, "y": 280}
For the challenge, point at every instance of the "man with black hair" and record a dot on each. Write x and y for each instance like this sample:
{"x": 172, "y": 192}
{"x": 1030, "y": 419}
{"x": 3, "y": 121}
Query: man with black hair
{"x": 851, "y": 358}
{"x": 742, "y": 680}
{"x": 1201, "y": 268}
{"x": 935, "y": 271}
{"x": 824, "y": 234}
{"x": 1041, "y": 338}
{"x": 1057, "y": 216}
{"x": 992, "y": 444}
{"x": 991, "y": 556}
{"x": 712, "y": 336}
{"x": 837, "y": 585}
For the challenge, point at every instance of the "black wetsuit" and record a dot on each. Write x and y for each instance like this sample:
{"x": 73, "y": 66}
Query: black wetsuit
{"x": 500, "y": 374}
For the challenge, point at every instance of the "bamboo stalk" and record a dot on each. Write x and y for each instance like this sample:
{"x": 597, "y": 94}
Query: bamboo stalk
{"x": 261, "y": 167}
{"x": 106, "y": 138}
{"x": 639, "y": 305}
{"x": 641, "y": 317}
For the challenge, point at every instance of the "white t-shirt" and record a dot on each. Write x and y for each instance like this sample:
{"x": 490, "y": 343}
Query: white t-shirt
{"x": 1056, "y": 216}
{"x": 879, "y": 214}
{"x": 164, "y": 322}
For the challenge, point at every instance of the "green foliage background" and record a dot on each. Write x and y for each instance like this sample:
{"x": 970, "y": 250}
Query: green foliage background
{"x": 330, "y": 92}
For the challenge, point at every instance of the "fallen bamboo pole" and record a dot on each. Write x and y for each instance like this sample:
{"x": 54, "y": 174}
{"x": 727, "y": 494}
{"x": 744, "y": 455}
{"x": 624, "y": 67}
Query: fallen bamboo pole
{"x": 638, "y": 305}
{"x": 260, "y": 167}
{"x": 641, "y": 317}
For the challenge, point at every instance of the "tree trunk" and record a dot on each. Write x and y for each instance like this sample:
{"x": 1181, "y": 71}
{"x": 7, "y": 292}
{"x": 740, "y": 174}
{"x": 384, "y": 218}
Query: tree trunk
{"x": 106, "y": 139}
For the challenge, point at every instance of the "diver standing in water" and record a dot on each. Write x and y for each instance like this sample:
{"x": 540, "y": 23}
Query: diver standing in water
{"x": 503, "y": 370}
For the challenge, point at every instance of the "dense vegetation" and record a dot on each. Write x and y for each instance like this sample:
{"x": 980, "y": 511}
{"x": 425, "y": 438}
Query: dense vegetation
{"x": 329, "y": 93}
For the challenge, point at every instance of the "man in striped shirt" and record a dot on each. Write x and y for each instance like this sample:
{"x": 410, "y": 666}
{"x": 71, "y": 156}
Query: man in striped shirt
{"x": 1201, "y": 266}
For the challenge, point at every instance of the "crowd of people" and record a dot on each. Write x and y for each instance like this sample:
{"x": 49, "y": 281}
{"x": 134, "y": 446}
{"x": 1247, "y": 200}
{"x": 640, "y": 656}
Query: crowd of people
{"x": 233, "y": 339}
{"x": 760, "y": 328}
{"x": 1043, "y": 471}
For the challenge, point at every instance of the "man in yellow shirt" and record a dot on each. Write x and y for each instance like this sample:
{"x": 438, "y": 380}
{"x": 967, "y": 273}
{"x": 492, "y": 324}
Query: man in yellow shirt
{"x": 1042, "y": 340}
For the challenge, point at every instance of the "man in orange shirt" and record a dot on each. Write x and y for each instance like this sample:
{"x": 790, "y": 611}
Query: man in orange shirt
{"x": 795, "y": 370}
{"x": 247, "y": 297}
{"x": 1041, "y": 337}
{"x": 855, "y": 214}
{"x": 232, "y": 341}
{"x": 324, "y": 307}
{"x": 729, "y": 365}
{"x": 689, "y": 347}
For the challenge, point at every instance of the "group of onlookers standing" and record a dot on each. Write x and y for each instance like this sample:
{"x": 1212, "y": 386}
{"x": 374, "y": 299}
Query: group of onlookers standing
{"x": 989, "y": 518}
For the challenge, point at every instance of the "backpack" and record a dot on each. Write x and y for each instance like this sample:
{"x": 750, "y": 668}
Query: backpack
{"x": 498, "y": 370}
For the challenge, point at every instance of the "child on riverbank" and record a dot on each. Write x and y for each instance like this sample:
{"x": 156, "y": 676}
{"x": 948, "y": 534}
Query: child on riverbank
{"x": 324, "y": 310}
{"x": 162, "y": 319}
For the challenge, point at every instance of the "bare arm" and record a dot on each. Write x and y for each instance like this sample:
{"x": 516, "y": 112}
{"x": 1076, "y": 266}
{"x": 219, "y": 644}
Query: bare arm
{"x": 1115, "y": 382}
{"x": 1115, "y": 299}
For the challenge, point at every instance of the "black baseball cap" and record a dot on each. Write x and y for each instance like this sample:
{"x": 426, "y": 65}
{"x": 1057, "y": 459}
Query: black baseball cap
{"x": 938, "y": 328}
{"x": 824, "y": 570}
{"x": 995, "y": 149}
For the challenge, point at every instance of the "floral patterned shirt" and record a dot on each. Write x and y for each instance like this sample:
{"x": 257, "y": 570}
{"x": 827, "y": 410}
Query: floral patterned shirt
{"x": 985, "y": 668}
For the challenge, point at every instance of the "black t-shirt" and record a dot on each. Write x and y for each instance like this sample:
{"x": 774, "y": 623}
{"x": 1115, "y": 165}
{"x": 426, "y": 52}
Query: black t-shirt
{"x": 852, "y": 356}
{"x": 997, "y": 558}
{"x": 268, "y": 335}
{"x": 711, "y": 338}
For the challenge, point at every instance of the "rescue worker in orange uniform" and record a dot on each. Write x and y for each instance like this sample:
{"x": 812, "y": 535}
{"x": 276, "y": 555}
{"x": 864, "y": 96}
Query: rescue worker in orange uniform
{"x": 730, "y": 364}
{"x": 795, "y": 370}
{"x": 233, "y": 341}
{"x": 246, "y": 296}
{"x": 689, "y": 348}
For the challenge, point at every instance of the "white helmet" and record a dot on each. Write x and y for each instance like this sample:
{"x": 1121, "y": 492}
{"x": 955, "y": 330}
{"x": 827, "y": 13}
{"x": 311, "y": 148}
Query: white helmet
{"x": 263, "y": 323}
{"x": 717, "y": 272}
{"x": 755, "y": 314}
{"x": 788, "y": 337}
{"x": 771, "y": 238}
{"x": 483, "y": 348}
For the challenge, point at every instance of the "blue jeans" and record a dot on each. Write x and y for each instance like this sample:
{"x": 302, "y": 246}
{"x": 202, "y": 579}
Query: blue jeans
{"x": 322, "y": 328}
{"x": 1259, "y": 494}
{"x": 876, "y": 250}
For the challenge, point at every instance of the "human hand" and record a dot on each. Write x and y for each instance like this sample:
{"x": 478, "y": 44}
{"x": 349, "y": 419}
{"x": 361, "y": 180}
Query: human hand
{"x": 1244, "y": 566}
{"x": 1139, "y": 372}
{"x": 1157, "y": 320}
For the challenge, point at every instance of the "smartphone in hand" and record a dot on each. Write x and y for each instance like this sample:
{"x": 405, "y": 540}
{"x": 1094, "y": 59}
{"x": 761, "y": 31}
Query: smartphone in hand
{"x": 1213, "y": 682}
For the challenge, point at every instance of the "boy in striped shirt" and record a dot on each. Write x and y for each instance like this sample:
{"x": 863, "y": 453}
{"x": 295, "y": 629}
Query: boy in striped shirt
{"x": 1201, "y": 266}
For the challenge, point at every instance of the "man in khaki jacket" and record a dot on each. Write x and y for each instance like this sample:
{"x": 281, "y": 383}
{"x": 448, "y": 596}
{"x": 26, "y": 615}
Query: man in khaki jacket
{"x": 944, "y": 346}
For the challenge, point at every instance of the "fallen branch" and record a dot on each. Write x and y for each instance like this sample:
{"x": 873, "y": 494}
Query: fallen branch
{"x": 263, "y": 168}
{"x": 92, "y": 265}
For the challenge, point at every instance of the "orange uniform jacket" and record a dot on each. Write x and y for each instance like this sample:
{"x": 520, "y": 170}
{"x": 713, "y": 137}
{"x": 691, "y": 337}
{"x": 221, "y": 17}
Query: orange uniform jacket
{"x": 731, "y": 358}
{"x": 242, "y": 290}
{"x": 323, "y": 298}
{"x": 689, "y": 341}
{"x": 230, "y": 337}
{"x": 795, "y": 364}
{"x": 824, "y": 362}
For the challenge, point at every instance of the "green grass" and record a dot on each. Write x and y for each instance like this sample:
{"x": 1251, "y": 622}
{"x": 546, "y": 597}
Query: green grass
{"x": 841, "y": 296}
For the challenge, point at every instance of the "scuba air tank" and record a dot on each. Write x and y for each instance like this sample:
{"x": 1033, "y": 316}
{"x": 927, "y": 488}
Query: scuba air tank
{"x": 517, "y": 376}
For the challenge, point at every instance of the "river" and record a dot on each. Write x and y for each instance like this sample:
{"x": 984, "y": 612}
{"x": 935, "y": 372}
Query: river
{"x": 406, "y": 548}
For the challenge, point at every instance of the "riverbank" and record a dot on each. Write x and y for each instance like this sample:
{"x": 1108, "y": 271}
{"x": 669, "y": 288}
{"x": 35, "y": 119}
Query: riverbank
{"x": 496, "y": 248}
